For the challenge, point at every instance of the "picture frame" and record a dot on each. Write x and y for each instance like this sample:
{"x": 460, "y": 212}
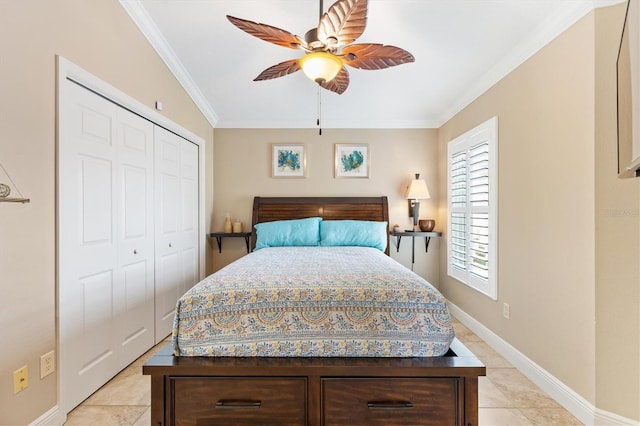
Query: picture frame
{"x": 352, "y": 160}
{"x": 288, "y": 160}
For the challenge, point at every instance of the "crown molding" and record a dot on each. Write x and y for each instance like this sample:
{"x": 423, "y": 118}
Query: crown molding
{"x": 567, "y": 15}
{"x": 327, "y": 123}
{"x": 146, "y": 25}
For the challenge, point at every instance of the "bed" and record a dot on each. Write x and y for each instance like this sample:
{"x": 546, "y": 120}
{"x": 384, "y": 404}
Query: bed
{"x": 331, "y": 366}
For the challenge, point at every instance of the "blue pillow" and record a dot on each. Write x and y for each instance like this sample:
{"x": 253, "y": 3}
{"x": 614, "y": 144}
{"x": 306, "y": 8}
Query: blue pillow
{"x": 281, "y": 233}
{"x": 353, "y": 233}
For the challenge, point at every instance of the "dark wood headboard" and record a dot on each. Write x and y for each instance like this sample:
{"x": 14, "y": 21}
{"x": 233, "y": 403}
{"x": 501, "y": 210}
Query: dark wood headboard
{"x": 268, "y": 209}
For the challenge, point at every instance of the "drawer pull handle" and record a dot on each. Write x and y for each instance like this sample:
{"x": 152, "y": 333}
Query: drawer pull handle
{"x": 232, "y": 403}
{"x": 390, "y": 405}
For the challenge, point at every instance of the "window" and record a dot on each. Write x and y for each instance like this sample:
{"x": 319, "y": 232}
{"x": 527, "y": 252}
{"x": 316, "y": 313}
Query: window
{"x": 472, "y": 188}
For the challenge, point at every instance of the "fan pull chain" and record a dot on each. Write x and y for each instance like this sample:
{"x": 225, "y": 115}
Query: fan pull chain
{"x": 319, "y": 111}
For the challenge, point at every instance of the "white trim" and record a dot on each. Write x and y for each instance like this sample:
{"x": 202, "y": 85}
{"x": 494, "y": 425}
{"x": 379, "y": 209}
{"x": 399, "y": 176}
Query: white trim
{"x": 605, "y": 418}
{"x": 53, "y": 417}
{"x": 68, "y": 70}
{"x": 148, "y": 27}
{"x": 606, "y": 3}
{"x": 486, "y": 132}
{"x": 577, "y": 405}
{"x": 567, "y": 15}
{"x": 331, "y": 123}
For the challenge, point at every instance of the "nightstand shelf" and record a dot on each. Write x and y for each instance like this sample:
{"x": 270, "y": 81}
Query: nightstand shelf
{"x": 220, "y": 235}
{"x": 14, "y": 200}
{"x": 413, "y": 234}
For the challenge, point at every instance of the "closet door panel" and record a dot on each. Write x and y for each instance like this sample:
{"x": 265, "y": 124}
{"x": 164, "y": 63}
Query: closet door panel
{"x": 88, "y": 274}
{"x": 136, "y": 236}
{"x": 125, "y": 201}
{"x": 167, "y": 236}
{"x": 177, "y": 231}
{"x": 189, "y": 215}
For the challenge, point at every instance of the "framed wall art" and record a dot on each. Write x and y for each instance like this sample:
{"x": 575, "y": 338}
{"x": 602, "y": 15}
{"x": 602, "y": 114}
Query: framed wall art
{"x": 352, "y": 160}
{"x": 288, "y": 161}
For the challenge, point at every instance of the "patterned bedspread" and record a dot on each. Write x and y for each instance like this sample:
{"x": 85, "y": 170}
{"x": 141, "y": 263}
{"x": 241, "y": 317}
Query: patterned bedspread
{"x": 313, "y": 302}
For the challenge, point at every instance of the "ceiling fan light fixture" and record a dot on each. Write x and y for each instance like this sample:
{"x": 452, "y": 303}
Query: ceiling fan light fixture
{"x": 337, "y": 29}
{"x": 320, "y": 67}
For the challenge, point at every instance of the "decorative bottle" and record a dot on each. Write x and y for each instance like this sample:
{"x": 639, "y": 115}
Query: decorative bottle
{"x": 227, "y": 224}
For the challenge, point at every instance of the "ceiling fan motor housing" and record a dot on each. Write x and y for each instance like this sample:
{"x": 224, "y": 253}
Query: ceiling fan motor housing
{"x": 311, "y": 37}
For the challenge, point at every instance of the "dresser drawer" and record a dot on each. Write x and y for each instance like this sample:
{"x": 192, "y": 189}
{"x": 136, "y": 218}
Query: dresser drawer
{"x": 390, "y": 401}
{"x": 242, "y": 400}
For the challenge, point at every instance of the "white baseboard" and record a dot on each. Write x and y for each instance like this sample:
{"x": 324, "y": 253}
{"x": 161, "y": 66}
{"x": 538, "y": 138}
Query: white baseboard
{"x": 582, "y": 409}
{"x": 606, "y": 418}
{"x": 53, "y": 417}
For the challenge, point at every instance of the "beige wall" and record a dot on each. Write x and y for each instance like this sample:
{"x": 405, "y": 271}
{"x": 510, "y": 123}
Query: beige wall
{"x": 545, "y": 208}
{"x": 617, "y": 242}
{"x": 563, "y": 264}
{"x": 243, "y": 170}
{"x": 569, "y": 232}
{"x": 98, "y": 36}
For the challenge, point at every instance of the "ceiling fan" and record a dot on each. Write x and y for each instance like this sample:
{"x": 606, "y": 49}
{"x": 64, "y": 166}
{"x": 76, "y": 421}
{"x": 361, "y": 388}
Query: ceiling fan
{"x": 327, "y": 48}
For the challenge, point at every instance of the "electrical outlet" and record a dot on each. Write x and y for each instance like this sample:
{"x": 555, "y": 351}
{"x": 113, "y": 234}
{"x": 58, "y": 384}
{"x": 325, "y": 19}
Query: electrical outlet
{"x": 506, "y": 310}
{"x": 47, "y": 364}
{"x": 20, "y": 379}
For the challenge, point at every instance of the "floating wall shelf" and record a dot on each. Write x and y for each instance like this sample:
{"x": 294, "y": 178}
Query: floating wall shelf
{"x": 15, "y": 200}
{"x": 5, "y": 190}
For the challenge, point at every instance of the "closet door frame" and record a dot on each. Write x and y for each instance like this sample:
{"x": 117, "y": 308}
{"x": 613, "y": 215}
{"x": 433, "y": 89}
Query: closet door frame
{"x": 69, "y": 71}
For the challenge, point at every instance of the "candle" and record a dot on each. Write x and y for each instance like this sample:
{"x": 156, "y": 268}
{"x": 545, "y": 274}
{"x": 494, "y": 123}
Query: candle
{"x": 227, "y": 223}
{"x": 237, "y": 226}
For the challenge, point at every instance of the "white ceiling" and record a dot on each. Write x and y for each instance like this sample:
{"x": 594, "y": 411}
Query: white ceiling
{"x": 461, "y": 48}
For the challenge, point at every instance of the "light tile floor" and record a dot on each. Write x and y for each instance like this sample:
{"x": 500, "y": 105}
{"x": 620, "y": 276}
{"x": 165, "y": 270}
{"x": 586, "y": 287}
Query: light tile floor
{"x": 506, "y": 396}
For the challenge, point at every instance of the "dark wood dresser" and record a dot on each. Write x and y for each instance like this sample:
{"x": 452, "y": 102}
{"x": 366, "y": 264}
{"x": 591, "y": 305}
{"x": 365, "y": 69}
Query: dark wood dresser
{"x": 315, "y": 391}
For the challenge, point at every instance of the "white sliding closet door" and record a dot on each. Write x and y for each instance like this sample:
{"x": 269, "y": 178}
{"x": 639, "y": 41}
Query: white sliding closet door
{"x": 176, "y": 245}
{"x": 136, "y": 235}
{"x": 190, "y": 252}
{"x": 106, "y": 265}
{"x": 123, "y": 204}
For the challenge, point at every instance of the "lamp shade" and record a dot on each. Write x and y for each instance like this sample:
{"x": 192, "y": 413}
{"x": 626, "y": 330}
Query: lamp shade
{"x": 320, "y": 66}
{"x": 417, "y": 189}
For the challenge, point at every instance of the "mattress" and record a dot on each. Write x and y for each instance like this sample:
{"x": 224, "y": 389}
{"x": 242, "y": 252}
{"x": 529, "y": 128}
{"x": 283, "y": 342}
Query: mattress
{"x": 313, "y": 302}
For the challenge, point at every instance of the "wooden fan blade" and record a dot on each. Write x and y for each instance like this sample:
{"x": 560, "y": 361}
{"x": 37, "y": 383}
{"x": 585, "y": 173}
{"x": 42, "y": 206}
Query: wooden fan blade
{"x": 344, "y": 22}
{"x": 279, "y": 70}
{"x": 268, "y": 33}
{"x": 375, "y": 56}
{"x": 339, "y": 83}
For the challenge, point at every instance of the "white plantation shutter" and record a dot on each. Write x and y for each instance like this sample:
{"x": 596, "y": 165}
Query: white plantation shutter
{"x": 479, "y": 247}
{"x": 458, "y": 200}
{"x": 472, "y": 201}
{"x": 479, "y": 223}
